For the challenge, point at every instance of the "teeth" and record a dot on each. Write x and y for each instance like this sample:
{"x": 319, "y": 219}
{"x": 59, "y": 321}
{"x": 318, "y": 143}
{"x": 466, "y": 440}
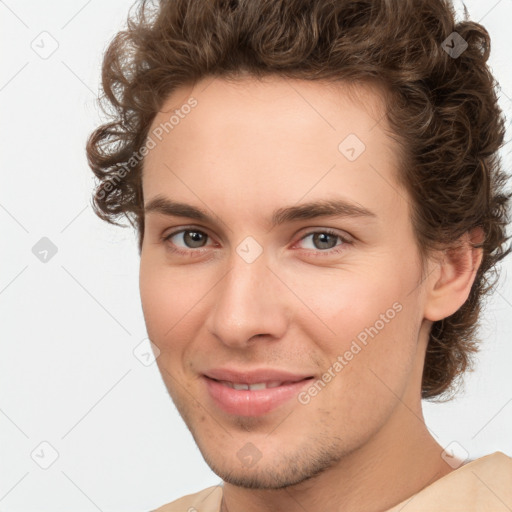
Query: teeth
{"x": 252, "y": 387}
{"x": 261, "y": 385}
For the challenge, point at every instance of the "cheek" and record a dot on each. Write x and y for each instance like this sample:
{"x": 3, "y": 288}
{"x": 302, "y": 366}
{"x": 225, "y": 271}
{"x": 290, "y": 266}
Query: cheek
{"x": 163, "y": 300}
{"x": 155, "y": 302}
{"x": 174, "y": 302}
{"x": 367, "y": 314}
{"x": 347, "y": 301}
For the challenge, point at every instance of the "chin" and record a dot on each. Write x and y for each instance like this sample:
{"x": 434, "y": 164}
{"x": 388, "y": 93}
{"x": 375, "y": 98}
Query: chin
{"x": 284, "y": 470}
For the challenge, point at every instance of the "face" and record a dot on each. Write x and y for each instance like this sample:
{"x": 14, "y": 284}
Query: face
{"x": 290, "y": 264}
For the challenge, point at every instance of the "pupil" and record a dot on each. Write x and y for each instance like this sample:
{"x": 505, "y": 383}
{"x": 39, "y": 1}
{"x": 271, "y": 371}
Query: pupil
{"x": 193, "y": 238}
{"x": 321, "y": 240}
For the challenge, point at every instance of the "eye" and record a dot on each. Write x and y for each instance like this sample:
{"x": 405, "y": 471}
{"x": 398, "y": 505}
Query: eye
{"x": 185, "y": 241}
{"x": 193, "y": 242}
{"x": 324, "y": 241}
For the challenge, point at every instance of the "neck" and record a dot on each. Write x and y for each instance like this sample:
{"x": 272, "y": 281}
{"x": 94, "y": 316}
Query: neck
{"x": 373, "y": 478}
{"x": 397, "y": 462}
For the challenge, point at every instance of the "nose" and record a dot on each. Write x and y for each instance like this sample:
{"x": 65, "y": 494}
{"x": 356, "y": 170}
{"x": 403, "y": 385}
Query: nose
{"x": 248, "y": 302}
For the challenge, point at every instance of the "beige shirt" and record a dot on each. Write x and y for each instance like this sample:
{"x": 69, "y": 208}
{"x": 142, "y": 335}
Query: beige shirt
{"x": 482, "y": 485}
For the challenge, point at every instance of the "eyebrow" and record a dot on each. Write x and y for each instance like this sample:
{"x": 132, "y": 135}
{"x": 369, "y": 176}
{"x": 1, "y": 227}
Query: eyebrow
{"x": 304, "y": 211}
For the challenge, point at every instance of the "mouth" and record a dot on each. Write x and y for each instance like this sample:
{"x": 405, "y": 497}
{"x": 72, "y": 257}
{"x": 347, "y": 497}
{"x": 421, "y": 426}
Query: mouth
{"x": 257, "y": 385}
{"x": 254, "y": 398}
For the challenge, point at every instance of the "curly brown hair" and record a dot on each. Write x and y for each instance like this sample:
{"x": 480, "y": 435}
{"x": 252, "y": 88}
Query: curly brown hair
{"x": 442, "y": 108}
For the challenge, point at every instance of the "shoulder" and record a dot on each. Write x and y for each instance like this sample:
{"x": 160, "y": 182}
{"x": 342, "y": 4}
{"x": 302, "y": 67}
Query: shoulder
{"x": 207, "y": 500}
{"x": 484, "y": 475}
{"x": 484, "y": 484}
{"x": 495, "y": 461}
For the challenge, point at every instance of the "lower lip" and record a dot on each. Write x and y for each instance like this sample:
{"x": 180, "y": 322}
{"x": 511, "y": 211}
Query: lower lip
{"x": 252, "y": 403}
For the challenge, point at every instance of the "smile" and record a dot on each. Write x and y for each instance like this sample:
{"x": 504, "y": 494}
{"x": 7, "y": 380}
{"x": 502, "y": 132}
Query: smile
{"x": 255, "y": 399}
{"x": 251, "y": 387}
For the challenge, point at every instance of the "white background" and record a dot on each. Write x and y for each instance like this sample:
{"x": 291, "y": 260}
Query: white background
{"x": 68, "y": 375}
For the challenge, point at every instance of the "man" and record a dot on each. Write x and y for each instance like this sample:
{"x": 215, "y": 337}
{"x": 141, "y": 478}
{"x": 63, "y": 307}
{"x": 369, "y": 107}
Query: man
{"x": 319, "y": 204}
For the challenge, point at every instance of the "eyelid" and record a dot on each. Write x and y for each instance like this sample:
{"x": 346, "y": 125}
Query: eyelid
{"x": 345, "y": 240}
{"x": 167, "y": 236}
{"x": 326, "y": 229}
{"x": 307, "y": 231}
{"x": 338, "y": 248}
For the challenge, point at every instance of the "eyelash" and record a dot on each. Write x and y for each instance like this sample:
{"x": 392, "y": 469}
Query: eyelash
{"x": 317, "y": 253}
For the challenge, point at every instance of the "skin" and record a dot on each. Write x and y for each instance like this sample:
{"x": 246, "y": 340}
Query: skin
{"x": 248, "y": 148}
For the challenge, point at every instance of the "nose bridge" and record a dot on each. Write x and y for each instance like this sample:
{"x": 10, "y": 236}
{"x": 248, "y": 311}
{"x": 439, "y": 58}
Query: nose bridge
{"x": 247, "y": 303}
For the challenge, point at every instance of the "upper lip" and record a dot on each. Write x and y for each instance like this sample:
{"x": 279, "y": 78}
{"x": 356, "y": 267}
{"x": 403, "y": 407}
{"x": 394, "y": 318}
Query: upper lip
{"x": 254, "y": 376}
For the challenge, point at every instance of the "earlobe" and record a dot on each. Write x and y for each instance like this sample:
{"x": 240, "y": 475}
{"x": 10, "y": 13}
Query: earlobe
{"x": 451, "y": 285}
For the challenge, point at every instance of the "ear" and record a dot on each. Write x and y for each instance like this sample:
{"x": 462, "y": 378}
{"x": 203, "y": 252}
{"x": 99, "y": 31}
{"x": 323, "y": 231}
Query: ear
{"x": 450, "y": 285}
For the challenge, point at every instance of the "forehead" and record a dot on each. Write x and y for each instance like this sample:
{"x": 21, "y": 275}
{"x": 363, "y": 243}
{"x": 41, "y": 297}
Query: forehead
{"x": 272, "y": 141}
{"x": 271, "y": 102}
